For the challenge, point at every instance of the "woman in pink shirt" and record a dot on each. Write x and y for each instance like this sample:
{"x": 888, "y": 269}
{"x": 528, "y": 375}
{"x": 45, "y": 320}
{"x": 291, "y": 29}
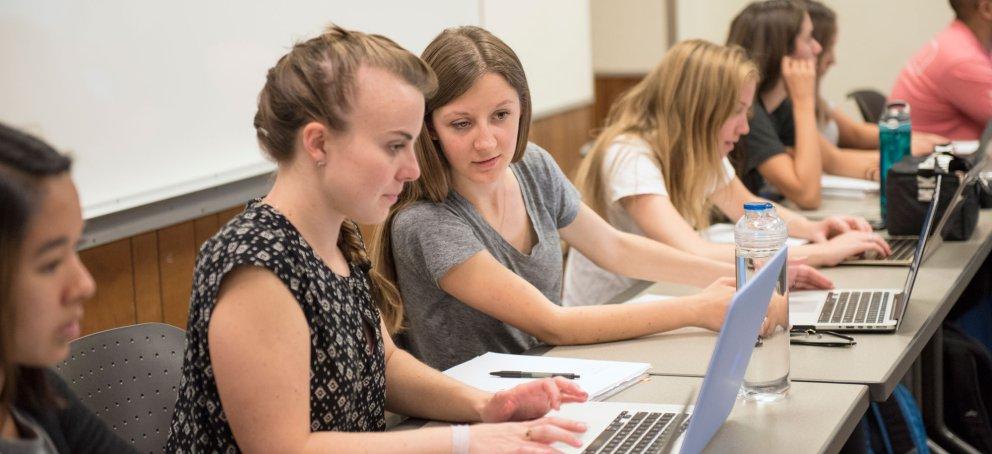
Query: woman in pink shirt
{"x": 948, "y": 83}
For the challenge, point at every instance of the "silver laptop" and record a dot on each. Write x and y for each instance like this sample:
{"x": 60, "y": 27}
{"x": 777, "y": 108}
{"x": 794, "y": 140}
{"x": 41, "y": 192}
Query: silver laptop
{"x": 619, "y": 427}
{"x": 870, "y": 309}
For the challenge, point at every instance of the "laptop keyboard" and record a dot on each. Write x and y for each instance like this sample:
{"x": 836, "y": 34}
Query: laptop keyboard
{"x": 639, "y": 432}
{"x": 902, "y": 248}
{"x": 855, "y": 307}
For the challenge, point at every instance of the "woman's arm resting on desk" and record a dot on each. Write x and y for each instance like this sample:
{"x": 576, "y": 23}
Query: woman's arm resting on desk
{"x": 260, "y": 355}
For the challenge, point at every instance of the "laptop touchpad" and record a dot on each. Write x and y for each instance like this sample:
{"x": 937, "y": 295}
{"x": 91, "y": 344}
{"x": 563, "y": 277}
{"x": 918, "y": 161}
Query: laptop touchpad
{"x": 805, "y": 302}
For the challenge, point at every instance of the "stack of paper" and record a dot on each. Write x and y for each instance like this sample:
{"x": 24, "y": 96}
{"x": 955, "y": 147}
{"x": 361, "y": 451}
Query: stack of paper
{"x": 724, "y": 233}
{"x": 600, "y": 379}
{"x": 847, "y": 188}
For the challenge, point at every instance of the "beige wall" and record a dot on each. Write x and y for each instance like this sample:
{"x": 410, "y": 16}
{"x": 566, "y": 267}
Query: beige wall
{"x": 876, "y": 37}
{"x": 628, "y": 36}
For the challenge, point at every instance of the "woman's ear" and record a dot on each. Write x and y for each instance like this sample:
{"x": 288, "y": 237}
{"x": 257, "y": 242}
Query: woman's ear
{"x": 314, "y": 137}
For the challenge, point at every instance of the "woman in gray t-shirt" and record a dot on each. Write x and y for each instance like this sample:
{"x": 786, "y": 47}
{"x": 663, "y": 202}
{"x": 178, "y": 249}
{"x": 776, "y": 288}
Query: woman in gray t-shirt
{"x": 474, "y": 244}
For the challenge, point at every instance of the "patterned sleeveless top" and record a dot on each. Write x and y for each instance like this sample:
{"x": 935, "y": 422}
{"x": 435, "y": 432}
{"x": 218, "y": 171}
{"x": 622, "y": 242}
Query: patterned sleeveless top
{"x": 347, "y": 379}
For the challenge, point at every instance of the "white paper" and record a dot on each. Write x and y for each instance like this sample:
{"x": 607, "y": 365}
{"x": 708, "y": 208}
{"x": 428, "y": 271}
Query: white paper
{"x": 647, "y": 298}
{"x": 835, "y": 182}
{"x": 598, "y": 378}
{"x": 724, "y": 233}
{"x": 964, "y": 147}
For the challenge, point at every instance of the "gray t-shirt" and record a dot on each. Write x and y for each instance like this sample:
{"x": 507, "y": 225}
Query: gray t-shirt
{"x": 34, "y": 441}
{"x": 431, "y": 238}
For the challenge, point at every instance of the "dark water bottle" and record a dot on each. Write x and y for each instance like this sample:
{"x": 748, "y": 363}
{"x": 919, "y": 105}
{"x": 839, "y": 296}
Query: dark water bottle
{"x": 894, "y": 139}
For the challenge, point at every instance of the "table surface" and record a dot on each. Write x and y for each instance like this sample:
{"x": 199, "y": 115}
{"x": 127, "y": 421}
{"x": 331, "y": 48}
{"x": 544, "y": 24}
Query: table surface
{"x": 813, "y": 417}
{"x": 878, "y": 360}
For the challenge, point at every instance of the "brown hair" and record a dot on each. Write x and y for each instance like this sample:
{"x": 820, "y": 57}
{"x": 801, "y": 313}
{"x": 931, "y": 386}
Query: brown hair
{"x": 315, "y": 81}
{"x": 459, "y": 57}
{"x": 25, "y": 161}
{"x": 767, "y": 31}
{"x": 824, "y": 31}
{"x": 678, "y": 110}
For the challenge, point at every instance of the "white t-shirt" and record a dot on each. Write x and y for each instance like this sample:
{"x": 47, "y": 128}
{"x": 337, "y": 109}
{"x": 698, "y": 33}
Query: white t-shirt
{"x": 630, "y": 169}
{"x": 829, "y": 128}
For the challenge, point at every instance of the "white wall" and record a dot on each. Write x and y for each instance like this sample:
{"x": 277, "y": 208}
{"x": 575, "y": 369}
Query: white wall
{"x": 156, "y": 99}
{"x": 551, "y": 38}
{"x": 876, "y": 37}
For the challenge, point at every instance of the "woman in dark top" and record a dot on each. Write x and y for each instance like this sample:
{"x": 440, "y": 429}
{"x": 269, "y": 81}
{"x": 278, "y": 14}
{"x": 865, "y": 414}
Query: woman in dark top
{"x": 286, "y": 351}
{"x": 784, "y": 154}
{"x": 43, "y": 286}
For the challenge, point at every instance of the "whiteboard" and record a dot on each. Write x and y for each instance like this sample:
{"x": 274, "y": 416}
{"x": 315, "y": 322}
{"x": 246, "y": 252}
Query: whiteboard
{"x": 155, "y": 99}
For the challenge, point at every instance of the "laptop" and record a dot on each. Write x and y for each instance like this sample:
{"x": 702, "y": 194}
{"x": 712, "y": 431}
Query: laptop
{"x": 619, "y": 427}
{"x": 856, "y": 310}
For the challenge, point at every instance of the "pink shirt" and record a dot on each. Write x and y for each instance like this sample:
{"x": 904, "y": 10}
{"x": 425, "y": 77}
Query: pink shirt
{"x": 948, "y": 84}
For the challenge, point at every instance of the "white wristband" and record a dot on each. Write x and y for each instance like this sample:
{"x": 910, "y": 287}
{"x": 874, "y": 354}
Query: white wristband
{"x": 459, "y": 439}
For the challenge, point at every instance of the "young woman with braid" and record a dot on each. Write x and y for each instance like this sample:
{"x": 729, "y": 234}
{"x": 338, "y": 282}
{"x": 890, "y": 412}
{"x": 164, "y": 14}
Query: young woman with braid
{"x": 660, "y": 167}
{"x": 473, "y": 246}
{"x": 286, "y": 351}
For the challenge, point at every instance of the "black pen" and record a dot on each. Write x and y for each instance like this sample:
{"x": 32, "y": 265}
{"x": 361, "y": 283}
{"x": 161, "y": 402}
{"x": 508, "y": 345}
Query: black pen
{"x": 521, "y": 374}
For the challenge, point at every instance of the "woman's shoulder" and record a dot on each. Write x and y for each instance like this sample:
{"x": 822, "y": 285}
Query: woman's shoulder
{"x": 259, "y": 231}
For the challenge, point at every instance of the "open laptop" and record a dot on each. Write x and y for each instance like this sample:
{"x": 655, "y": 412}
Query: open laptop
{"x": 855, "y": 310}
{"x": 619, "y": 427}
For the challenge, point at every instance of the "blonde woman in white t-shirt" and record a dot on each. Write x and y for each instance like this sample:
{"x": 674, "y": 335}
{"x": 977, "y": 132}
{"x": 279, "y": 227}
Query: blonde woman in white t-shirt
{"x": 660, "y": 166}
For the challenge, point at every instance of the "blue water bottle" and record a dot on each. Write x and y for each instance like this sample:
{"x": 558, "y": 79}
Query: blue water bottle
{"x": 894, "y": 139}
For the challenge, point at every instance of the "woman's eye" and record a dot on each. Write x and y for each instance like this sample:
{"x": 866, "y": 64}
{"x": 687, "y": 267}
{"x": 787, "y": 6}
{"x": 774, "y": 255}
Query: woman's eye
{"x": 50, "y": 267}
{"x": 502, "y": 115}
{"x": 460, "y": 124}
{"x": 397, "y": 147}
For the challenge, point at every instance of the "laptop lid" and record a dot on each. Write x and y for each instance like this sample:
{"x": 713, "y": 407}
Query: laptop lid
{"x": 914, "y": 267}
{"x": 730, "y": 357}
{"x": 952, "y": 206}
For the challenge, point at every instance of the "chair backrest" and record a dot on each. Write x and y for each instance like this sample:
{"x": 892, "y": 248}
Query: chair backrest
{"x": 871, "y": 103}
{"x": 129, "y": 377}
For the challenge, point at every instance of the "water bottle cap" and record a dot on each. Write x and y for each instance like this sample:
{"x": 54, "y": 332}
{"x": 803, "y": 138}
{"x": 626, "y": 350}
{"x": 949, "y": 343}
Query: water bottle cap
{"x": 757, "y": 206}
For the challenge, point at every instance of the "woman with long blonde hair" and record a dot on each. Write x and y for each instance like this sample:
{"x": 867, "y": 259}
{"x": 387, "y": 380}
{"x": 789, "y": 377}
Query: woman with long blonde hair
{"x": 660, "y": 167}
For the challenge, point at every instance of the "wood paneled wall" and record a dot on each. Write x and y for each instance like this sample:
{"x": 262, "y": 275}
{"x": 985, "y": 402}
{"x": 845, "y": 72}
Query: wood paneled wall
{"x": 607, "y": 89}
{"x": 148, "y": 277}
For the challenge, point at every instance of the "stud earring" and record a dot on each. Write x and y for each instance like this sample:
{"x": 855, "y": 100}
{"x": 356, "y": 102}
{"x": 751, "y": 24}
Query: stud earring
{"x": 321, "y": 163}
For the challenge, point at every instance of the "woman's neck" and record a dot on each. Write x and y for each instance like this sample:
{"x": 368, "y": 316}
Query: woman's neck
{"x": 295, "y": 196}
{"x": 775, "y": 96}
{"x": 8, "y": 427}
{"x": 482, "y": 196}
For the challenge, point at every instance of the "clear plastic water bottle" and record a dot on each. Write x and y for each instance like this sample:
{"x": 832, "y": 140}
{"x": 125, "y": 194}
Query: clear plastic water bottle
{"x": 758, "y": 236}
{"x": 894, "y": 140}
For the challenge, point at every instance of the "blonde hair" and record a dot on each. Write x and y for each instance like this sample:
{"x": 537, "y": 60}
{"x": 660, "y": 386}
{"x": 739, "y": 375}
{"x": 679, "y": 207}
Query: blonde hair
{"x": 678, "y": 110}
{"x": 315, "y": 81}
{"x": 459, "y": 56}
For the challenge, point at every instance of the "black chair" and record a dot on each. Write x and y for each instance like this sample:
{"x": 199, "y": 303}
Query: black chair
{"x": 871, "y": 103}
{"x": 129, "y": 378}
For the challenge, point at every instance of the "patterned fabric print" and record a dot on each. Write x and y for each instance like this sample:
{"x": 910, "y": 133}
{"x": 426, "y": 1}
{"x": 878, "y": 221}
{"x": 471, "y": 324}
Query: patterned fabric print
{"x": 347, "y": 381}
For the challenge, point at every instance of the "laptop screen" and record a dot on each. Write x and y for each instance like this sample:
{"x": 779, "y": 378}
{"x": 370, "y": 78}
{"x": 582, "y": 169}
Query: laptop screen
{"x": 907, "y": 288}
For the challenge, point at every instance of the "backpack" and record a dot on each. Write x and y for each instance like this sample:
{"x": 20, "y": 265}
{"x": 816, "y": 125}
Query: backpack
{"x": 967, "y": 388}
{"x": 893, "y": 426}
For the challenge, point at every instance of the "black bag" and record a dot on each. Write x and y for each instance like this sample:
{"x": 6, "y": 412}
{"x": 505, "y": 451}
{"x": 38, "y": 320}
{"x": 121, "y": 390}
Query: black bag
{"x": 967, "y": 388}
{"x": 909, "y": 188}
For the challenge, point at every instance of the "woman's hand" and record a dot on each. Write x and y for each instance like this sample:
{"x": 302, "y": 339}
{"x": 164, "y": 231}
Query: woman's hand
{"x": 716, "y": 297}
{"x": 846, "y": 245}
{"x": 805, "y": 277}
{"x": 535, "y": 436}
{"x": 823, "y": 230}
{"x": 924, "y": 143}
{"x": 800, "y": 79}
{"x": 532, "y": 400}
